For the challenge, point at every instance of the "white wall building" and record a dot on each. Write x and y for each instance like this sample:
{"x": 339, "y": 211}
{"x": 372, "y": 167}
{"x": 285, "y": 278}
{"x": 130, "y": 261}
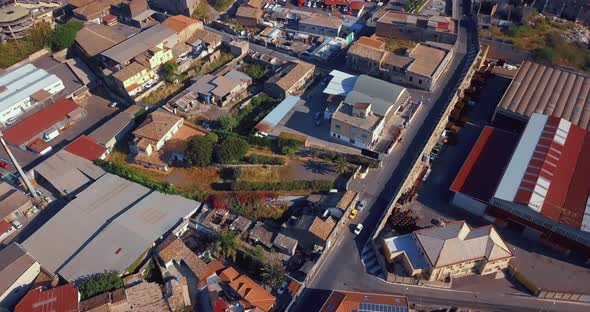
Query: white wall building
{"x": 19, "y": 89}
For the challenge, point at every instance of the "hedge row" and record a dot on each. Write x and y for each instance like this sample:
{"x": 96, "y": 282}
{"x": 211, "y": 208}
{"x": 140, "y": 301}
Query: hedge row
{"x": 316, "y": 185}
{"x": 257, "y": 159}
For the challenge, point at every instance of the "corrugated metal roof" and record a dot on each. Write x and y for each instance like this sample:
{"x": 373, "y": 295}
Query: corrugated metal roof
{"x": 63, "y": 299}
{"x": 109, "y": 225}
{"x": 341, "y": 83}
{"x": 23, "y": 82}
{"x": 140, "y": 43}
{"x": 549, "y": 91}
{"x": 383, "y": 96}
{"x": 277, "y": 114}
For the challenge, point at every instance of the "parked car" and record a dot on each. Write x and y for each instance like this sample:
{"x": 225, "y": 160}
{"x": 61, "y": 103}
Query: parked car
{"x": 283, "y": 288}
{"x": 40, "y": 193}
{"x": 361, "y": 204}
{"x": 16, "y": 224}
{"x": 4, "y": 164}
{"x": 358, "y": 229}
{"x": 113, "y": 104}
{"x": 353, "y": 214}
{"x": 10, "y": 120}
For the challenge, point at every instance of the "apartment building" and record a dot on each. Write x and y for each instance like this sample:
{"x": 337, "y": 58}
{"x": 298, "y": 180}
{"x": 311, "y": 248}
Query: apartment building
{"x": 399, "y": 25}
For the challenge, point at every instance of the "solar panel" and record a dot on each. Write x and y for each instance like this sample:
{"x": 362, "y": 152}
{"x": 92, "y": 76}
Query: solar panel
{"x": 376, "y": 307}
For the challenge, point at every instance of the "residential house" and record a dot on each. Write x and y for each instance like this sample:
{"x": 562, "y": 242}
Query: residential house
{"x": 184, "y": 7}
{"x": 185, "y": 27}
{"x": 261, "y": 234}
{"x": 172, "y": 251}
{"x": 63, "y": 298}
{"x": 92, "y": 11}
{"x": 254, "y": 297}
{"x": 421, "y": 66}
{"x": 248, "y": 16}
{"x": 146, "y": 297}
{"x": 451, "y": 250}
{"x": 347, "y": 301}
{"x": 361, "y": 117}
{"x": 240, "y": 224}
{"x": 151, "y": 135}
{"x": 325, "y": 25}
{"x": 131, "y": 79}
{"x": 136, "y": 13}
{"x": 34, "y": 132}
{"x": 115, "y": 300}
{"x": 420, "y": 28}
{"x": 357, "y": 8}
{"x": 285, "y": 244}
{"x": 18, "y": 270}
{"x": 218, "y": 90}
{"x": 204, "y": 42}
{"x": 289, "y": 80}
{"x": 311, "y": 231}
{"x": 13, "y": 203}
{"x": 239, "y": 47}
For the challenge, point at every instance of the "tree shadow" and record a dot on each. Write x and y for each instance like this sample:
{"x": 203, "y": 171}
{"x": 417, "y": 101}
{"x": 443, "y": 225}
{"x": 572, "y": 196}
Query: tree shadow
{"x": 318, "y": 167}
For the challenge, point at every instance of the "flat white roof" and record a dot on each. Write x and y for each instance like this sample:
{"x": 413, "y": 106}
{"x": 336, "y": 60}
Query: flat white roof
{"x": 22, "y": 82}
{"x": 341, "y": 83}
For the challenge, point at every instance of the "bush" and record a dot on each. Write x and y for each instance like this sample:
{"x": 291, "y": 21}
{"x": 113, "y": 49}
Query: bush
{"x": 230, "y": 150}
{"x": 256, "y": 71}
{"x": 65, "y": 35}
{"x": 260, "y": 141}
{"x": 99, "y": 283}
{"x": 212, "y": 137}
{"x": 136, "y": 176}
{"x": 227, "y": 122}
{"x": 199, "y": 150}
{"x": 257, "y": 159}
{"x": 231, "y": 173}
{"x": 288, "y": 146}
{"x": 170, "y": 69}
{"x": 316, "y": 185}
{"x": 221, "y": 5}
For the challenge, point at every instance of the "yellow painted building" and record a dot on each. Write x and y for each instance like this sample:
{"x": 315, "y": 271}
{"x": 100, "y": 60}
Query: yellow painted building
{"x": 133, "y": 77}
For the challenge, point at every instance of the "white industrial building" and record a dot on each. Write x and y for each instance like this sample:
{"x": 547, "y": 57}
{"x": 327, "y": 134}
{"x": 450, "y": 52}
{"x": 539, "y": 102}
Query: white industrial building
{"x": 23, "y": 87}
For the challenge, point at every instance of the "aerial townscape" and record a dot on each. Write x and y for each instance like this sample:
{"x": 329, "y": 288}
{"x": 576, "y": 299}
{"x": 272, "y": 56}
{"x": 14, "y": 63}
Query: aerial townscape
{"x": 294, "y": 155}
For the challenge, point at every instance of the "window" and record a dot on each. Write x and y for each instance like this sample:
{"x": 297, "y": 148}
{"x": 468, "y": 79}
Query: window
{"x": 338, "y": 127}
{"x": 411, "y": 78}
{"x": 419, "y": 81}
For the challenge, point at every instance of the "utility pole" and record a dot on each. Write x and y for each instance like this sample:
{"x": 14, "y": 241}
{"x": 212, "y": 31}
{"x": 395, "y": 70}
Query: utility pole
{"x": 18, "y": 168}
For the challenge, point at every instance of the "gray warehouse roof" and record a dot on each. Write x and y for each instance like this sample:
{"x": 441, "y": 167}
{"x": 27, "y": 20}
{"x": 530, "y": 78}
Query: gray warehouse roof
{"x": 139, "y": 43}
{"x": 382, "y": 95}
{"x": 107, "y": 227}
{"x": 67, "y": 172}
{"x": 277, "y": 114}
{"x": 548, "y": 91}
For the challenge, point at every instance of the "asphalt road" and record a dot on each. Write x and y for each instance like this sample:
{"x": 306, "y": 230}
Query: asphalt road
{"x": 343, "y": 269}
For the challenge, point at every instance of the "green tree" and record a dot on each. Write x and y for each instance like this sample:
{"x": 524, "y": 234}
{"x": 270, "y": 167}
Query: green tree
{"x": 202, "y": 12}
{"x": 341, "y": 165}
{"x": 226, "y": 245}
{"x": 256, "y": 71}
{"x": 212, "y": 137}
{"x": 227, "y": 122}
{"x": 41, "y": 34}
{"x": 231, "y": 149}
{"x": 170, "y": 69}
{"x": 273, "y": 274}
{"x": 65, "y": 35}
{"x": 231, "y": 173}
{"x": 288, "y": 146}
{"x": 99, "y": 283}
{"x": 221, "y": 5}
{"x": 199, "y": 150}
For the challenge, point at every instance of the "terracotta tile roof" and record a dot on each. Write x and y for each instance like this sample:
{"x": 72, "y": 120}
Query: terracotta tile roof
{"x": 40, "y": 121}
{"x": 294, "y": 287}
{"x": 146, "y": 297}
{"x": 366, "y": 51}
{"x": 206, "y": 36}
{"x": 322, "y": 228}
{"x": 346, "y": 200}
{"x": 156, "y": 125}
{"x": 248, "y": 12}
{"x": 426, "y": 59}
{"x": 256, "y": 3}
{"x": 171, "y": 249}
{"x": 95, "y": 302}
{"x": 371, "y": 42}
{"x": 253, "y": 293}
{"x": 129, "y": 71}
{"x": 344, "y": 301}
{"x": 4, "y": 226}
{"x": 63, "y": 298}
{"x": 456, "y": 242}
{"x": 357, "y": 5}
{"x": 297, "y": 72}
{"x": 179, "y": 23}
{"x": 86, "y": 147}
{"x": 38, "y": 145}
{"x": 216, "y": 265}
{"x": 94, "y": 9}
{"x": 322, "y": 21}
{"x": 229, "y": 274}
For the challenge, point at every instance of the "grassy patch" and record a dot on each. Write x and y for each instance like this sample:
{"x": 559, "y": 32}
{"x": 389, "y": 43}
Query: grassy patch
{"x": 399, "y": 46}
{"x": 135, "y": 265}
{"x": 223, "y": 59}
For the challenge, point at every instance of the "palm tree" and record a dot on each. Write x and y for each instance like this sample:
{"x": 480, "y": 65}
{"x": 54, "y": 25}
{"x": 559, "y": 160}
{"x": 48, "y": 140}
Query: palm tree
{"x": 226, "y": 245}
{"x": 273, "y": 274}
{"x": 341, "y": 165}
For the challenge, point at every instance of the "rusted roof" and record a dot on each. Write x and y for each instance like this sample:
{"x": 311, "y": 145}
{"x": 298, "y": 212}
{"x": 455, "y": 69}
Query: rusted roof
{"x": 86, "y": 147}
{"x": 549, "y": 91}
{"x": 63, "y": 298}
{"x": 179, "y": 23}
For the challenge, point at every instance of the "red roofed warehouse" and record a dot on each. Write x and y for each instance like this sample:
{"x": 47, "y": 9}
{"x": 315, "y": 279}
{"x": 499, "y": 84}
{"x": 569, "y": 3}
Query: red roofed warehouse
{"x": 44, "y": 124}
{"x": 544, "y": 185}
{"x": 86, "y": 147}
{"x": 63, "y": 299}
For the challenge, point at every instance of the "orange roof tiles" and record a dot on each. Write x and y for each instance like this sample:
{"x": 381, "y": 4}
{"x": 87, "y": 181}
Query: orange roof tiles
{"x": 86, "y": 147}
{"x": 179, "y": 22}
{"x": 342, "y": 301}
